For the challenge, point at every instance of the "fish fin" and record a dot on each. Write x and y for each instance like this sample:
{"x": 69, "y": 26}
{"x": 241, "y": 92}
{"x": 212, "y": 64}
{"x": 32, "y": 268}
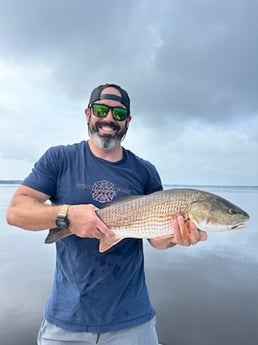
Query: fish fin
{"x": 56, "y": 234}
{"x": 106, "y": 243}
{"x": 186, "y": 231}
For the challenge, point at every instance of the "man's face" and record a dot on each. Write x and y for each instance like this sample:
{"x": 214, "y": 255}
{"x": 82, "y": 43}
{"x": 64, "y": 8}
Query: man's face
{"x": 107, "y": 132}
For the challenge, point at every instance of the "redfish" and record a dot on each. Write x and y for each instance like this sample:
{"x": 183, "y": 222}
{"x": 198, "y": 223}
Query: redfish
{"x": 150, "y": 216}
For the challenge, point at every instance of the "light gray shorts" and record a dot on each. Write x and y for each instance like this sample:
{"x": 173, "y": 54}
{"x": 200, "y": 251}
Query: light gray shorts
{"x": 144, "y": 334}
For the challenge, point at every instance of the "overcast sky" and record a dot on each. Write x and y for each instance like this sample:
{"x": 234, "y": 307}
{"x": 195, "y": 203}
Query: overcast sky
{"x": 189, "y": 66}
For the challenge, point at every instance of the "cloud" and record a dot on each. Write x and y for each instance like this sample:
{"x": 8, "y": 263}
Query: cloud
{"x": 189, "y": 67}
{"x": 199, "y": 153}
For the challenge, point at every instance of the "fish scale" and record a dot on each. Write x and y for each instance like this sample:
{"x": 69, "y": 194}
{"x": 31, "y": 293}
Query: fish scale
{"x": 155, "y": 217}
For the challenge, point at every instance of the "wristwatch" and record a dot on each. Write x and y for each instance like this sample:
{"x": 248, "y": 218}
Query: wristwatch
{"x": 62, "y": 220}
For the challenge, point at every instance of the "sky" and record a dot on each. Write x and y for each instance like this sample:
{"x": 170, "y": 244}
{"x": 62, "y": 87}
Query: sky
{"x": 189, "y": 66}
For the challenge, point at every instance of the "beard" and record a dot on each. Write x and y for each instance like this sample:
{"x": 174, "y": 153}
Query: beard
{"x": 107, "y": 141}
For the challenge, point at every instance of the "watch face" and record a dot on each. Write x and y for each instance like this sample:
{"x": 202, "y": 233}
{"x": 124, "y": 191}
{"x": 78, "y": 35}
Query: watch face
{"x": 62, "y": 222}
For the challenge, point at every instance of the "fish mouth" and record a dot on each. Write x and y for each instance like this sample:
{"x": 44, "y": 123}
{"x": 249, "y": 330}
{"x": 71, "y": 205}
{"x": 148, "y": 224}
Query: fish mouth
{"x": 238, "y": 226}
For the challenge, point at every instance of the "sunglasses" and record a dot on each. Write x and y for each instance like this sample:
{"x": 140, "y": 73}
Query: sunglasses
{"x": 101, "y": 110}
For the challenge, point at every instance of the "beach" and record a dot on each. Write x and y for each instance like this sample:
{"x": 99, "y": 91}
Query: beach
{"x": 204, "y": 294}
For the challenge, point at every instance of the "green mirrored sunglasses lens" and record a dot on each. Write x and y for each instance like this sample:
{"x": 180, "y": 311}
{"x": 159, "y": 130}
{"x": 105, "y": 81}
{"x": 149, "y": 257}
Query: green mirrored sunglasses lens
{"x": 100, "y": 110}
{"x": 120, "y": 114}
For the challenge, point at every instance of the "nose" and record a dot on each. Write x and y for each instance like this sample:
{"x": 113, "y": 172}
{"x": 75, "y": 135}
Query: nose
{"x": 109, "y": 116}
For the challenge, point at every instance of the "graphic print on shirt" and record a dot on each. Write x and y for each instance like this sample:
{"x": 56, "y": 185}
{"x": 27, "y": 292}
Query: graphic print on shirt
{"x": 103, "y": 191}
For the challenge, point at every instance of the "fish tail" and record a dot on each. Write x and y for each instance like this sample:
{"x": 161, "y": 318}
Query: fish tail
{"x": 57, "y": 234}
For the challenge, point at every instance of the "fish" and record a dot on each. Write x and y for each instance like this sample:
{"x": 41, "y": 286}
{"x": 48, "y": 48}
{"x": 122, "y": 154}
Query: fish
{"x": 150, "y": 216}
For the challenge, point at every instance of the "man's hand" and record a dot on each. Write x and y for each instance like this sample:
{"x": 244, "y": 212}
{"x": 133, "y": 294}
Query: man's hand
{"x": 84, "y": 222}
{"x": 185, "y": 233}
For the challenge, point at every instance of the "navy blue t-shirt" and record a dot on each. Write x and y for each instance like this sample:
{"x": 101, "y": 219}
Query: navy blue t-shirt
{"x": 92, "y": 291}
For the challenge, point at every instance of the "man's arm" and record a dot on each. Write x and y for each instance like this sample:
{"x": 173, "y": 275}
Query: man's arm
{"x": 29, "y": 211}
{"x": 179, "y": 226}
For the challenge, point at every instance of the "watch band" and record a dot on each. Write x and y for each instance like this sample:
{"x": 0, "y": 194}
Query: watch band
{"x": 63, "y": 211}
{"x": 62, "y": 220}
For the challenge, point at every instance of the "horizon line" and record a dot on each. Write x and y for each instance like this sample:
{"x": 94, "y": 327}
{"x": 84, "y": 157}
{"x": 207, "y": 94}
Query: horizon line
{"x": 18, "y": 181}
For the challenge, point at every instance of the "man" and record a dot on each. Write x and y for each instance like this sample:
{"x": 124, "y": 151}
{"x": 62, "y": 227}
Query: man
{"x": 96, "y": 298}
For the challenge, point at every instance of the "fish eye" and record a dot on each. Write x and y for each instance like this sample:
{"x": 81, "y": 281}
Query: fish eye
{"x": 231, "y": 211}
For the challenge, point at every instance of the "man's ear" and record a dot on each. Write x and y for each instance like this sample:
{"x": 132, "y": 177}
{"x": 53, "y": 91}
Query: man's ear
{"x": 87, "y": 114}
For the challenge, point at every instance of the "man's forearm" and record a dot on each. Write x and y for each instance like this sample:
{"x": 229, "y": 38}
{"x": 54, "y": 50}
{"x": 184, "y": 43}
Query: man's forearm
{"x": 32, "y": 215}
{"x": 29, "y": 211}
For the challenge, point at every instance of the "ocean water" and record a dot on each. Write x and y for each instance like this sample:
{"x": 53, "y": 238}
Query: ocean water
{"x": 205, "y": 294}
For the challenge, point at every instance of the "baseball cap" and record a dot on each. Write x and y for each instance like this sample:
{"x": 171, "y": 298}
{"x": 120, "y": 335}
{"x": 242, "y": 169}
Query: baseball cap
{"x": 96, "y": 95}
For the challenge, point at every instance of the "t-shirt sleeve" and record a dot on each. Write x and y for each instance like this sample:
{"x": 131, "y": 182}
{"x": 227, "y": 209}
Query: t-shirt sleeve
{"x": 43, "y": 176}
{"x": 154, "y": 183}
